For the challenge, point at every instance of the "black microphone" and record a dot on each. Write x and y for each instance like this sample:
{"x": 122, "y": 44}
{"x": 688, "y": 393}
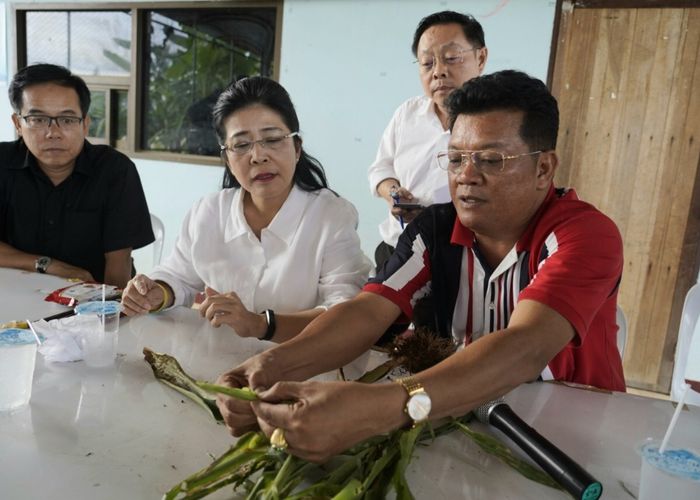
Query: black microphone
{"x": 570, "y": 475}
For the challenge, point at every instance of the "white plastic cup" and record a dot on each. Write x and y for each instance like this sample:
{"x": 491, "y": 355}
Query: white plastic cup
{"x": 673, "y": 474}
{"x": 17, "y": 360}
{"x": 100, "y": 346}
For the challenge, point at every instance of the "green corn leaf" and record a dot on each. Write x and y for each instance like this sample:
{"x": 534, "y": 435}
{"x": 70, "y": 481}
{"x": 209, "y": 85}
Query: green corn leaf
{"x": 407, "y": 443}
{"x": 351, "y": 491}
{"x": 389, "y": 454}
{"x": 244, "y": 393}
{"x": 381, "y": 486}
{"x": 379, "y": 372}
{"x": 366, "y": 471}
{"x": 496, "y": 448}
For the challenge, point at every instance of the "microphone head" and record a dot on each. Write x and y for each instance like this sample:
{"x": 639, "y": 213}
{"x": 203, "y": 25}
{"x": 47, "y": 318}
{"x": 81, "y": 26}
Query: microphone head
{"x": 484, "y": 411}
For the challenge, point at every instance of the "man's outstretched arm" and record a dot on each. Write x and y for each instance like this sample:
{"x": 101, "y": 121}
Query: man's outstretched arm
{"x": 16, "y": 259}
{"x": 325, "y": 418}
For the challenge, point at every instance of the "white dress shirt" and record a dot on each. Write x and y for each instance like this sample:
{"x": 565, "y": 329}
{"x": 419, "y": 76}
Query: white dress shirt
{"x": 309, "y": 256}
{"x": 408, "y": 152}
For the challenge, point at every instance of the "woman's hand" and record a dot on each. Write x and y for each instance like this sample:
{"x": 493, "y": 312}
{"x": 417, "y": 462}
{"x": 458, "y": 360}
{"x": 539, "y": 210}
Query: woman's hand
{"x": 321, "y": 419}
{"x": 141, "y": 296}
{"x": 227, "y": 309}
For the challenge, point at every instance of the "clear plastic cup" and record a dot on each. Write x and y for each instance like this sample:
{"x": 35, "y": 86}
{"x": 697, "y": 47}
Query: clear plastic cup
{"x": 17, "y": 359}
{"x": 674, "y": 474}
{"x": 109, "y": 309}
{"x": 100, "y": 345}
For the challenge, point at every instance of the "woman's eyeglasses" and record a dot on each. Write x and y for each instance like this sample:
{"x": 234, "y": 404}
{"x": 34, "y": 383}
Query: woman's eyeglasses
{"x": 244, "y": 147}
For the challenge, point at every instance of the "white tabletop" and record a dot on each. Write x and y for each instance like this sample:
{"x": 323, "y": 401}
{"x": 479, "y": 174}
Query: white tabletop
{"x": 22, "y": 295}
{"x": 117, "y": 433}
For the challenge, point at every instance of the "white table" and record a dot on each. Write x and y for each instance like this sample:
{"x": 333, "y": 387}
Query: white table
{"x": 117, "y": 433}
{"x": 22, "y": 295}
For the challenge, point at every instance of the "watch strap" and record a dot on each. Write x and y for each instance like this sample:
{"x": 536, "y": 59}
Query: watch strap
{"x": 271, "y": 324}
{"x": 411, "y": 385}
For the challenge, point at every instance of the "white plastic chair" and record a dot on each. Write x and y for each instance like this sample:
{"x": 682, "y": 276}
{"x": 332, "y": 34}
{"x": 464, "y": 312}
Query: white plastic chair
{"x": 159, "y": 233}
{"x": 690, "y": 326}
{"x": 621, "y": 321}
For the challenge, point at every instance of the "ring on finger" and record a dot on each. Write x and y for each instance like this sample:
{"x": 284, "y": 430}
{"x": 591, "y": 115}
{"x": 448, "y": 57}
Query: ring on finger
{"x": 277, "y": 439}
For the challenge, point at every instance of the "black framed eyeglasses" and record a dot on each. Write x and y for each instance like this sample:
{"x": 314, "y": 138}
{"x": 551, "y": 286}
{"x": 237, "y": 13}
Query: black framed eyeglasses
{"x": 243, "y": 147}
{"x": 44, "y": 121}
{"x": 485, "y": 161}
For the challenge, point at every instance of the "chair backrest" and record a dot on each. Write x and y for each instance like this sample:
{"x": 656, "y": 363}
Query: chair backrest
{"x": 159, "y": 233}
{"x": 621, "y": 330}
{"x": 689, "y": 326}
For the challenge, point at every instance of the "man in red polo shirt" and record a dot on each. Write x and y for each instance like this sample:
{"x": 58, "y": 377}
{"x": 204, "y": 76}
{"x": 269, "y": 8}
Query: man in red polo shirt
{"x": 522, "y": 275}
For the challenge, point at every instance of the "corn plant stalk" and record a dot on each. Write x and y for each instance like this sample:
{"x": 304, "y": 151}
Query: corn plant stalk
{"x": 367, "y": 470}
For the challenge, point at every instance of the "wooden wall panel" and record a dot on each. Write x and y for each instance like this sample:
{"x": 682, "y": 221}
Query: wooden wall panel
{"x": 683, "y": 153}
{"x": 624, "y": 80}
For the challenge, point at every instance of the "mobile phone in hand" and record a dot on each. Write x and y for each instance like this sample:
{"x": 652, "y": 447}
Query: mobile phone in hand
{"x": 409, "y": 206}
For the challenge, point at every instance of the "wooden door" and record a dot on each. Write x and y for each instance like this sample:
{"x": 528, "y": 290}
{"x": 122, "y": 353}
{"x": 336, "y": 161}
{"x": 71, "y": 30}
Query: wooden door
{"x": 628, "y": 84}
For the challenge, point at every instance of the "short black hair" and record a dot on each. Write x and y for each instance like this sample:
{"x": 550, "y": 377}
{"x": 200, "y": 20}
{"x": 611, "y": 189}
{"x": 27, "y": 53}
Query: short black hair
{"x": 309, "y": 174}
{"x": 47, "y": 73}
{"x": 473, "y": 31}
{"x": 511, "y": 90}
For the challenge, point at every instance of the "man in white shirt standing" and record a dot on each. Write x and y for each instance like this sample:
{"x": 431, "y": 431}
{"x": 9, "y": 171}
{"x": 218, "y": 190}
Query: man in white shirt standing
{"x": 450, "y": 50}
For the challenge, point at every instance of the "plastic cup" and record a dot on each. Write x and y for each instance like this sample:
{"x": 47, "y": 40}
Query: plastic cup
{"x": 100, "y": 345}
{"x": 674, "y": 474}
{"x": 109, "y": 309}
{"x": 17, "y": 359}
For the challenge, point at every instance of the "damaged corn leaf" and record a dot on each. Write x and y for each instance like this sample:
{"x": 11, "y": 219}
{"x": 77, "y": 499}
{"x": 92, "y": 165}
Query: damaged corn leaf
{"x": 247, "y": 456}
{"x": 168, "y": 371}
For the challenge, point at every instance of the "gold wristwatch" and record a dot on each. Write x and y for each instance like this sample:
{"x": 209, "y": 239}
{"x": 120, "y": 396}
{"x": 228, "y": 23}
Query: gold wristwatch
{"x": 419, "y": 403}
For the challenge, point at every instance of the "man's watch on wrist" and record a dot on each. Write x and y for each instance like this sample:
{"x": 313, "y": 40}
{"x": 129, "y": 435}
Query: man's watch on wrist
{"x": 419, "y": 404}
{"x": 42, "y": 264}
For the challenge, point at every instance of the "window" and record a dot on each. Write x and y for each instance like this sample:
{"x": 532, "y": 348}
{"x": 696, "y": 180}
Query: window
{"x": 192, "y": 55}
{"x": 95, "y": 45}
{"x": 154, "y": 73}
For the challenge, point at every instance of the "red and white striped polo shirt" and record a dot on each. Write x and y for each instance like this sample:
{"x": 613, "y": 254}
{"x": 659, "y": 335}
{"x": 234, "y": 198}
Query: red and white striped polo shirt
{"x": 569, "y": 258}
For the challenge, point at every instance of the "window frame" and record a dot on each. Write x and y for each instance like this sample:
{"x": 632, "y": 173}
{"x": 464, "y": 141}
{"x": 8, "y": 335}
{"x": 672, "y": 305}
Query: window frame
{"x": 134, "y": 83}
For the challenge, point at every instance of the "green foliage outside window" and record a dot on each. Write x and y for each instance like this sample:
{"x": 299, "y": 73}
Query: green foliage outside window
{"x": 97, "y": 114}
{"x": 189, "y": 55}
{"x": 187, "y": 69}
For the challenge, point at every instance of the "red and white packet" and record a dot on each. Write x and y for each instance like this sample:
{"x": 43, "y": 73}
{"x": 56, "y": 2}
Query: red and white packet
{"x": 73, "y": 295}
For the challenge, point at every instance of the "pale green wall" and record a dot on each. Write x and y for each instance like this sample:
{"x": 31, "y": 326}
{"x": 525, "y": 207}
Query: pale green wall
{"x": 347, "y": 65}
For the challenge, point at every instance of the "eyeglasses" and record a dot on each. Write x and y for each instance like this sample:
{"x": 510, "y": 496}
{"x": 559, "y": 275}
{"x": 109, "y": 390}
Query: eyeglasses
{"x": 44, "y": 121}
{"x": 450, "y": 57}
{"x": 487, "y": 162}
{"x": 273, "y": 143}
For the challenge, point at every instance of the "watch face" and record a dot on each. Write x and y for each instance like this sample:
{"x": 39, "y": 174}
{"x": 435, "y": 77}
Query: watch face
{"x": 418, "y": 407}
{"x": 42, "y": 263}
